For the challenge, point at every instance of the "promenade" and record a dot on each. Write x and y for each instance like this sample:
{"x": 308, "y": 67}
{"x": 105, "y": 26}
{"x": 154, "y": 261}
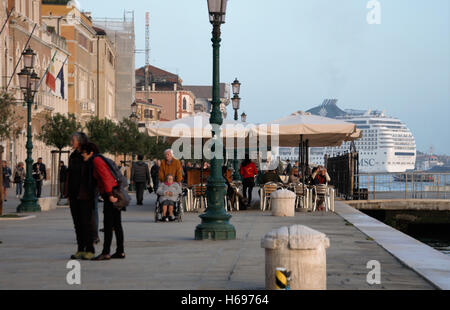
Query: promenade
{"x": 34, "y": 254}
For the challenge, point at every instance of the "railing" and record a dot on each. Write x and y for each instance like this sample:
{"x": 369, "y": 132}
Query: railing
{"x": 413, "y": 185}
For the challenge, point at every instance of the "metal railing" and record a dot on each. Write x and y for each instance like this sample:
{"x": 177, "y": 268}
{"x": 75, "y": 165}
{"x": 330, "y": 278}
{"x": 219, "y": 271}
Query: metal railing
{"x": 413, "y": 185}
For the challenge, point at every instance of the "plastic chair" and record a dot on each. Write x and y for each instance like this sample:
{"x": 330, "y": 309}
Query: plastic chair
{"x": 199, "y": 194}
{"x": 301, "y": 193}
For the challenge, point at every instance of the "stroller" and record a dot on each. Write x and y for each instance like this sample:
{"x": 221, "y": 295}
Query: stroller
{"x": 178, "y": 209}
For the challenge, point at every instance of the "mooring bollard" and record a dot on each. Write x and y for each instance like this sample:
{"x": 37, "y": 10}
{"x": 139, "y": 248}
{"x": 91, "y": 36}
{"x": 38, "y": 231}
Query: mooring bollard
{"x": 283, "y": 203}
{"x": 299, "y": 251}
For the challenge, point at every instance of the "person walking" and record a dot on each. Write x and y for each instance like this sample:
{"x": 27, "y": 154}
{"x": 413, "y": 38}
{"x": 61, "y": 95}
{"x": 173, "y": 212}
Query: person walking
{"x": 248, "y": 172}
{"x": 6, "y": 179}
{"x": 140, "y": 177}
{"x": 19, "y": 178}
{"x": 154, "y": 172}
{"x": 78, "y": 188}
{"x": 39, "y": 166}
{"x": 112, "y": 217}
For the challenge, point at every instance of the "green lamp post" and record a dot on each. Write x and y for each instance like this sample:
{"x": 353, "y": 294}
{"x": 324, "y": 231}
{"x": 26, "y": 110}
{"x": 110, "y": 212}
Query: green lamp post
{"x": 236, "y": 101}
{"x": 215, "y": 221}
{"x": 29, "y": 84}
{"x": 134, "y": 119}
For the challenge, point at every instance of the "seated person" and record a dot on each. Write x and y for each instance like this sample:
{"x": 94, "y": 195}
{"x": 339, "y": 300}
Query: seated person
{"x": 294, "y": 177}
{"x": 168, "y": 192}
{"x": 320, "y": 176}
{"x": 271, "y": 176}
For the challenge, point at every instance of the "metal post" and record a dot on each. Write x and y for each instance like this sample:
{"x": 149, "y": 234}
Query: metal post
{"x": 374, "y": 185}
{"x": 215, "y": 222}
{"x": 406, "y": 186}
{"x": 29, "y": 202}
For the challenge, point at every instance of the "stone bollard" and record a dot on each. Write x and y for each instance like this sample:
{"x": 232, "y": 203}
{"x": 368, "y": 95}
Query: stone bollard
{"x": 302, "y": 252}
{"x": 283, "y": 203}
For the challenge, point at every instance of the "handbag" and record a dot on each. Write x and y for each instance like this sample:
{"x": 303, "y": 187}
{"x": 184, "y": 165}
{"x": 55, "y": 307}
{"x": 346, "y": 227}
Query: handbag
{"x": 123, "y": 200}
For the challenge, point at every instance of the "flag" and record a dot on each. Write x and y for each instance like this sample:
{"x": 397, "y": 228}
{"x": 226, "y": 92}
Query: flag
{"x": 50, "y": 79}
{"x": 61, "y": 78}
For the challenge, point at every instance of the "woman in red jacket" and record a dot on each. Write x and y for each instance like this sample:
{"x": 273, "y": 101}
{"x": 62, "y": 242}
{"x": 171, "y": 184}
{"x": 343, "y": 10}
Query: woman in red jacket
{"x": 248, "y": 172}
{"x": 112, "y": 218}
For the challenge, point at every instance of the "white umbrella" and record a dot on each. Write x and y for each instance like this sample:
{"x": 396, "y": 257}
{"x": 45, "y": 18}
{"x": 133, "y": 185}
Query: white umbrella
{"x": 317, "y": 130}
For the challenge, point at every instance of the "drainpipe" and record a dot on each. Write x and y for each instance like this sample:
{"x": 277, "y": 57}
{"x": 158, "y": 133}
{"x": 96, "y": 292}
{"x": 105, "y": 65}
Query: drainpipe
{"x": 98, "y": 76}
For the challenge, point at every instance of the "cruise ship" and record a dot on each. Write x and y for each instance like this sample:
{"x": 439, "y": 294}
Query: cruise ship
{"x": 387, "y": 144}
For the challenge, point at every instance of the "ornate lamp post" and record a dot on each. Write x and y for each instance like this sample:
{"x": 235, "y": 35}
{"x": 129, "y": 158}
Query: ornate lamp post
{"x": 215, "y": 221}
{"x": 236, "y": 105}
{"x": 29, "y": 83}
{"x": 133, "y": 118}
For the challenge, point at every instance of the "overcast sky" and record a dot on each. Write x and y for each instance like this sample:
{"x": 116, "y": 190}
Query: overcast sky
{"x": 290, "y": 55}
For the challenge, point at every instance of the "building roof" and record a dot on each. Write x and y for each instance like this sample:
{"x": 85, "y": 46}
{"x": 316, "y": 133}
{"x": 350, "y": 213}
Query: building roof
{"x": 158, "y": 75}
{"x": 100, "y": 31}
{"x": 141, "y": 101}
{"x": 205, "y": 91}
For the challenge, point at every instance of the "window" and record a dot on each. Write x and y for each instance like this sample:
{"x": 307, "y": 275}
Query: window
{"x": 147, "y": 113}
{"x": 184, "y": 104}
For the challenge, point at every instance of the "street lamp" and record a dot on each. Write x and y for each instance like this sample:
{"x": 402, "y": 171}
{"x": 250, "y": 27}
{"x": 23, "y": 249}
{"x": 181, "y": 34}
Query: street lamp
{"x": 215, "y": 221}
{"x": 244, "y": 117}
{"x": 134, "y": 119}
{"x": 236, "y": 105}
{"x": 29, "y": 84}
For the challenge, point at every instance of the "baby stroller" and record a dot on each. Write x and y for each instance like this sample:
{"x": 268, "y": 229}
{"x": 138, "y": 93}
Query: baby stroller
{"x": 178, "y": 209}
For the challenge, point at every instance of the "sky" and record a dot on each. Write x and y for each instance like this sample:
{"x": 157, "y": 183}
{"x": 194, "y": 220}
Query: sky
{"x": 290, "y": 55}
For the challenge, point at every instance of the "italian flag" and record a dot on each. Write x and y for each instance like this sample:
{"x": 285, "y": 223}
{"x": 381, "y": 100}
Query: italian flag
{"x": 50, "y": 79}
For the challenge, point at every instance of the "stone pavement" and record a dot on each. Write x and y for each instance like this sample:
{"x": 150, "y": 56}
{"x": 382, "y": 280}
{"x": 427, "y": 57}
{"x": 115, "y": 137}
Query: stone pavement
{"x": 34, "y": 254}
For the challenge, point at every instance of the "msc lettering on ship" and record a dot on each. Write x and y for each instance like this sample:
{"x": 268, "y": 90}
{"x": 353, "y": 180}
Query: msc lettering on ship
{"x": 366, "y": 162}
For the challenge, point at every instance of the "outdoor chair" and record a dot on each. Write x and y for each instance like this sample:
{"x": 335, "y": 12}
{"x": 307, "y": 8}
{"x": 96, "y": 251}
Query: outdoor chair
{"x": 302, "y": 195}
{"x": 322, "y": 192}
{"x": 267, "y": 190}
{"x": 199, "y": 193}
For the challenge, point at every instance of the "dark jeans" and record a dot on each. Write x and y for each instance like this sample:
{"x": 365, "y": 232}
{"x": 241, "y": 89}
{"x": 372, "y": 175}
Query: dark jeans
{"x": 155, "y": 184}
{"x": 38, "y": 189}
{"x": 19, "y": 187}
{"x": 248, "y": 185}
{"x": 84, "y": 222}
{"x": 140, "y": 187}
{"x": 112, "y": 219}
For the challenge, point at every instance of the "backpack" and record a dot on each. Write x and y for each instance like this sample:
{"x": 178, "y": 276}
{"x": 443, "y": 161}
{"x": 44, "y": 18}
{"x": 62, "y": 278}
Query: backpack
{"x": 120, "y": 191}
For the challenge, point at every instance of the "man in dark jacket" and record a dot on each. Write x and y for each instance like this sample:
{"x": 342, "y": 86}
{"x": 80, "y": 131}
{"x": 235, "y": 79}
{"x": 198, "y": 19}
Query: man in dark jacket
{"x": 155, "y": 174}
{"x": 62, "y": 177}
{"x": 39, "y": 166}
{"x": 80, "y": 190}
{"x": 140, "y": 177}
{"x": 271, "y": 176}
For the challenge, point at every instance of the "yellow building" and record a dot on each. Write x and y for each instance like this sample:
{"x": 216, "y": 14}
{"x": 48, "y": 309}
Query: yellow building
{"x": 88, "y": 89}
{"x": 148, "y": 112}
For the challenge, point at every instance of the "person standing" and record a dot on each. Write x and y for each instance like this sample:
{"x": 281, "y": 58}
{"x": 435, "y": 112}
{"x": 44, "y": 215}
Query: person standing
{"x": 78, "y": 190}
{"x": 248, "y": 172}
{"x": 170, "y": 165}
{"x": 39, "y": 166}
{"x": 112, "y": 217}
{"x": 140, "y": 177}
{"x": 62, "y": 177}
{"x": 19, "y": 178}
{"x": 288, "y": 169}
{"x": 6, "y": 179}
{"x": 154, "y": 172}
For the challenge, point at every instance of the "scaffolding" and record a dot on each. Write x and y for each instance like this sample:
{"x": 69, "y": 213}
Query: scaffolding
{"x": 121, "y": 34}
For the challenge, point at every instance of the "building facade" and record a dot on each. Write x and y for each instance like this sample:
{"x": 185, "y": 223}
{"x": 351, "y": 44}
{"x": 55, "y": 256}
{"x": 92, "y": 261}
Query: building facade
{"x": 25, "y": 28}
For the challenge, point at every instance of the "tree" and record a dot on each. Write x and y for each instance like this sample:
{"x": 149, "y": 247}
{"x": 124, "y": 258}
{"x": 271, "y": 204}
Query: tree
{"x": 58, "y": 131}
{"x": 126, "y": 138}
{"x": 101, "y": 132}
{"x": 9, "y": 121}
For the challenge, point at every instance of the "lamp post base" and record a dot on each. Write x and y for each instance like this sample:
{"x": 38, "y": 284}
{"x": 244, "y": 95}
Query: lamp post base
{"x": 215, "y": 231}
{"x": 29, "y": 205}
